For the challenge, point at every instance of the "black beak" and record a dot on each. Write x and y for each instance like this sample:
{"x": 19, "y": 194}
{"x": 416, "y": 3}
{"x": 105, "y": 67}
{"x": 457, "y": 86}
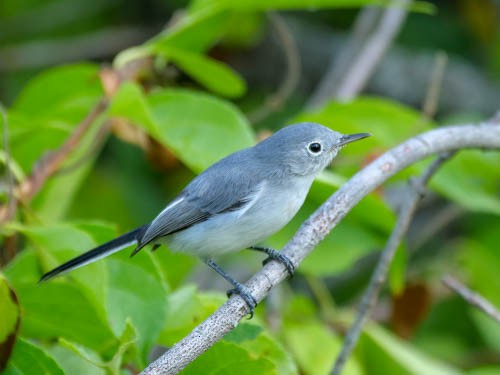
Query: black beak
{"x": 348, "y": 138}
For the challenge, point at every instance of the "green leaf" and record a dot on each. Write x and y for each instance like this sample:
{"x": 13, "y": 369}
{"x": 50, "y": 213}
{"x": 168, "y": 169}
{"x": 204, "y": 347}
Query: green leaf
{"x": 186, "y": 308}
{"x": 481, "y": 264}
{"x": 229, "y": 358}
{"x": 129, "y": 102}
{"x": 58, "y": 243}
{"x": 193, "y": 125}
{"x": 114, "y": 365}
{"x": 471, "y": 180}
{"x": 29, "y": 359}
{"x": 60, "y": 309}
{"x": 196, "y": 126}
{"x": 9, "y": 323}
{"x": 59, "y": 87}
{"x": 487, "y": 327}
{"x": 397, "y": 270}
{"x": 58, "y": 193}
{"x": 211, "y": 73}
{"x": 485, "y": 370}
{"x": 243, "y": 332}
{"x": 73, "y": 363}
{"x": 261, "y": 344}
{"x": 45, "y": 114}
{"x": 262, "y": 5}
{"x": 137, "y": 294}
{"x": 385, "y": 354}
{"x": 314, "y": 348}
{"x": 196, "y": 31}
{"x": 56, "y": 308}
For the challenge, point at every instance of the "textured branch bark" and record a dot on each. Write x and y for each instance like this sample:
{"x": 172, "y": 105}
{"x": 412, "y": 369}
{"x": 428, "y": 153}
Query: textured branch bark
{"x": 379, "y": 276}
{"x": 473, "y": 298}
{"x": 318, "y": 226}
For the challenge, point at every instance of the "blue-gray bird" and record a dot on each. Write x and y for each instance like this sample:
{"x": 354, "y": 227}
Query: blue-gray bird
{"x": 237, "y": 202}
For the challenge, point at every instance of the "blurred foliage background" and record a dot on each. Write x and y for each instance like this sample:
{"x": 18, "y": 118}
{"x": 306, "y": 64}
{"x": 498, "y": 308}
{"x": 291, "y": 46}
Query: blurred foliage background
{"x": 114, "y": 105}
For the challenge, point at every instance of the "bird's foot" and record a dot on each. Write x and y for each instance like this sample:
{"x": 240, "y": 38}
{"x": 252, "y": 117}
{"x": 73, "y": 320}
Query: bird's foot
{"x": 244, "y": 293}
{"x": 278, "y": 256}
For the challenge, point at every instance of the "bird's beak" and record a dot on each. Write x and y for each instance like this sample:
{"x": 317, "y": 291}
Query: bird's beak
{"x": 348, "y": 138}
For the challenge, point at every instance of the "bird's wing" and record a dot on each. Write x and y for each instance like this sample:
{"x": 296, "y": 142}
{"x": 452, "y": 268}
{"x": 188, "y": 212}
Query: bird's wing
{"x": 216, "y": 191}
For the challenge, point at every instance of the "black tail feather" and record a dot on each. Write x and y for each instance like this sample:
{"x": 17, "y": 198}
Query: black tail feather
{"x": 95, "y": 254}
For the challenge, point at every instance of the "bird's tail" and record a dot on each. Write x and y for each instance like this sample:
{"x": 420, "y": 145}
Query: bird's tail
{"x": 99, "y": 252}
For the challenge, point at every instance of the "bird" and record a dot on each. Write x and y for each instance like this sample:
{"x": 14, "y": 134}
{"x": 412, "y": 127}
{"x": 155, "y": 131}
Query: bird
{"x": 236, "y": 203}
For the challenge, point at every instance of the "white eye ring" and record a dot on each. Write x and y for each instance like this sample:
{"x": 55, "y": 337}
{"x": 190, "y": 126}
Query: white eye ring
{"x": 315, "y": 148}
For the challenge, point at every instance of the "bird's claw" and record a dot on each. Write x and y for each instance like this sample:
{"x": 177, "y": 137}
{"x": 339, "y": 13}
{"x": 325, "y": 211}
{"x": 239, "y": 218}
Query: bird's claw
{"x": 244, "y": 293}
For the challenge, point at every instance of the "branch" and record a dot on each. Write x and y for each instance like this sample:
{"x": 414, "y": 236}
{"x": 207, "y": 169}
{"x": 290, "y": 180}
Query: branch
{"x": 10, "y": 206}
{"x": 318, "y": 226}
{"x": 472, "y": 298}
{"x": 379, "y": 276}
{"x": 375, "y": 47}
{"x": 341, "y": 61}
{"x": 406, "y": 214}
{"x": 345, "y": 81}
{"x": 49, "y": 164}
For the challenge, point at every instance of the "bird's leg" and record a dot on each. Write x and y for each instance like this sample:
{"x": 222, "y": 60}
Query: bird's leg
{"x": 276, "y": 255}
{"x": 239, "y": 288}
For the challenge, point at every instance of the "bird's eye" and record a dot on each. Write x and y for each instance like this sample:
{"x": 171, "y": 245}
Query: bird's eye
{"x": 315, "y": 147}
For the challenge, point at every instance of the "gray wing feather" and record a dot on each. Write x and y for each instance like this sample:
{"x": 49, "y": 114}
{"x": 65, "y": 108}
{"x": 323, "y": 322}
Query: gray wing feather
{"x": 226, "y": 186}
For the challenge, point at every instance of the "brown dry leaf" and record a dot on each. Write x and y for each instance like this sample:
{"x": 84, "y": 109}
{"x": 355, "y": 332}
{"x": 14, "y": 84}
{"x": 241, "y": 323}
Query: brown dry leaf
{"x": 410, "y": 308}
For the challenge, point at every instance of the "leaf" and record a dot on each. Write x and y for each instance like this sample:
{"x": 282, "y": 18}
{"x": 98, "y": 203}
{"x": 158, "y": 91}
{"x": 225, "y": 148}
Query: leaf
{"x": 186, "y": 308}
{"x": 58, "y": 243}
{"x": 262, "y": 345}
{"x": 211, "y": 73}
{"x": 314, "y": 348}
{"x": 229, "y": 358}
{"x": 196, "y": 31}
{"x": 45, "y": 114}
{"x": 61, "y": 309}
{"x": 56, "y": 308}
{"x": 58, "y": 87}
{"x": 114, "y": 365}
{"x": 137, "y": 294}
{"x": 397, "y": 270}
{"x": 130, "y": 102}
{"x": 72, "y": 363}
{"x": 382, "y": 353}
{"x": 471, "y": 180}
{"x": 196, "y": 126}
{"x": 262, "y": 5}
{"x": 29, "y": 359}
{"x": 480, "y": 263}
{"x": 9, "y": 323}
{"x": 193, "y": 125}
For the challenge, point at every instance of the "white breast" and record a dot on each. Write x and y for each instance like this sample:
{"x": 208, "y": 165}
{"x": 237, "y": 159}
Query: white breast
{"x": 272, "y": 207}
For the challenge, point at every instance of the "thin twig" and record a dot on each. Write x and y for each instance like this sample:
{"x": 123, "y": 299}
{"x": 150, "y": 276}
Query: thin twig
{"x": 10, "y": 208}
{"x": 291, "y": 79}
{"x": 407, "y": 211}
{"x": 49, "y": 164}
{"x": 379, "y": 276}
{"x": 340, "y": 64}
{"x": 318, "y": 226}
{"x": 431, "y": 102}
{"x": 364, "y": 65}
{"x": 471, "y": 297}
